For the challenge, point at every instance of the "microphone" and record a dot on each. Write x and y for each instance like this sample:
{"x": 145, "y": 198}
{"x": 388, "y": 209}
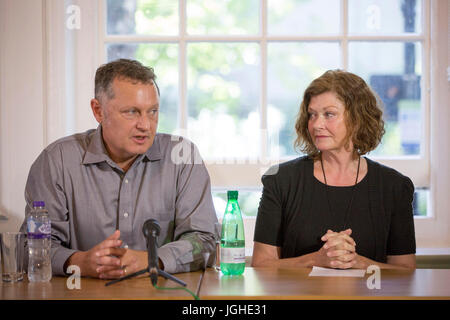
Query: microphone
{"x": 151, "y": 230}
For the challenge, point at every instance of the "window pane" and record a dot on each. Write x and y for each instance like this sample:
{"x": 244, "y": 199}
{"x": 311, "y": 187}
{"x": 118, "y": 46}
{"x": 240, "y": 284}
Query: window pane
{"x": 222, "y": 17}
{"x": 248, "y": 202}
{"x": 384, "y": 16}
{"x": 393, "y": 70}
{"x": 303, "y": 17}
{"x": 420, "y": 202}
{"x": 291, "y": 68}
{"x": 163, "y": 58}
{"x": 223, "y": 99}
{"x": 143, "y": 17}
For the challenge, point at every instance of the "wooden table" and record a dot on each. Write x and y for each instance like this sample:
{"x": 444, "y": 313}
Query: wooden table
{"x": 254, "y": 284}
{"x": 94, "y": 289}
{"x": 291, "y": 284}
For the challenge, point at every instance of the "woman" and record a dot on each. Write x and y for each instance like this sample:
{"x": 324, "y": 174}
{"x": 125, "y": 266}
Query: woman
{"x": 335, "y": 208}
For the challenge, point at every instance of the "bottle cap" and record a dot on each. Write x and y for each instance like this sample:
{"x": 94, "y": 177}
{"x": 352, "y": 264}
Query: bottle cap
{"x": 232, "y": 195}
{"x": 37, "y": 204}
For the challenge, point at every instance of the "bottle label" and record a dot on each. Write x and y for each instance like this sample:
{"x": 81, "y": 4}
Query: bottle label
{"x": 37, "y": 230}
{"x": 232, "y": 255}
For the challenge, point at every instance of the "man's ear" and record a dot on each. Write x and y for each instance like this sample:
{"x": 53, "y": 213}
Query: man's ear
{"x": 97, "y": 110}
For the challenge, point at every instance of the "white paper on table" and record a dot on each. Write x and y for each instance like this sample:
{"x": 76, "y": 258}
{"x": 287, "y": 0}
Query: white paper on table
{"x": 327, "y": 272}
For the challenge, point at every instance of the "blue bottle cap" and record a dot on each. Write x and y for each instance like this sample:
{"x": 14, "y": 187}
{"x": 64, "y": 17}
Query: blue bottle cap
{"x": 37, "y": 204}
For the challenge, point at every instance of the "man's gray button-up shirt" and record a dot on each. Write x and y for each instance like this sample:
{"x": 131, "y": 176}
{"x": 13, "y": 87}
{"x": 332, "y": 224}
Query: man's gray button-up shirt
{"x": 88, "y": 197}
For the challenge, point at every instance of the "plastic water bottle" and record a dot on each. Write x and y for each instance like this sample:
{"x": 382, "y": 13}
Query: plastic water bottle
{"x": 39, "y": 244}
{"x": 232, "y": 244}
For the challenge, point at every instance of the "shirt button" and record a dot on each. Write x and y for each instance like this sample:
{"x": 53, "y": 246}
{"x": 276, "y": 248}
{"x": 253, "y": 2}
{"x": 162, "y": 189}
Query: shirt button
{"x": 125, "y": 214}
{"x": 125, "y": 246}
{"x": 126, "y": 180}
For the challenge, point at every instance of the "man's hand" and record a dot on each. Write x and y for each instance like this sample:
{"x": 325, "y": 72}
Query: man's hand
{"x": 108, "y": 261}
{"x": 131, "y": 261}
{"x": 101, "y": 259}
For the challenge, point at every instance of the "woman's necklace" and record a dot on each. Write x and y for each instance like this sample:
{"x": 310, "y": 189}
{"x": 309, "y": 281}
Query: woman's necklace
{"x": 351, "y": 199}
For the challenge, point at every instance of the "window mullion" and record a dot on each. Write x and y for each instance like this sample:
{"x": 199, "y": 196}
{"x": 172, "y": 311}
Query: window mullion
{"x": 182, "y": 65}
{"x": 426, "y": 81}
{"x": 102, "y": 32}
{"x": 344, "y": 30}
{"x": 263, "y": 47}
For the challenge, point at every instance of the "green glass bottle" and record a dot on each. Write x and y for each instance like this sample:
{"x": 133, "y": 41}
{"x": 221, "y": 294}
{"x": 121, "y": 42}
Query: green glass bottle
{"x": 232, "y": 243}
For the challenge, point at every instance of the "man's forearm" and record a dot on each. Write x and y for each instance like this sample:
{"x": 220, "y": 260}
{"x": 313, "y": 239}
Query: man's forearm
{"x": 187, "y": 253}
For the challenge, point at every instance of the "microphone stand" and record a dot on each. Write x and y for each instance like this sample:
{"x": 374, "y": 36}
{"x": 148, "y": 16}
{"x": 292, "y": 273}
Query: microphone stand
{"x": 160, "y": 272}
{"x": 151, "y": 230}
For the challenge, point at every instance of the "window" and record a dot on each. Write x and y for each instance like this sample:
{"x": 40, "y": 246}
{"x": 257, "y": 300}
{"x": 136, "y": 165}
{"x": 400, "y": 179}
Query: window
{"x": 232, "y": 74}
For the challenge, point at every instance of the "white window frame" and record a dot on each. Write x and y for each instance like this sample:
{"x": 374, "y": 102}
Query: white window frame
{"x": 430, "y": 169}
{"x": 248, "y": 175}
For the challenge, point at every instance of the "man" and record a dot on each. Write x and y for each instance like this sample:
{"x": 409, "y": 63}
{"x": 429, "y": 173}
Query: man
{"x": 102, "y": 185}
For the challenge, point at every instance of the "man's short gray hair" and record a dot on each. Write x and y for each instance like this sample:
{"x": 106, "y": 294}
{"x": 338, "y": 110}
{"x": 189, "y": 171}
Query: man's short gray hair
{"x": 121, "y": 69}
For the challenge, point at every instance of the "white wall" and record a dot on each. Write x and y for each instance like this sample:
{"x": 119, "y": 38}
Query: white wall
{"x": 41, "y": 61}
{"x": 22, "y": 110}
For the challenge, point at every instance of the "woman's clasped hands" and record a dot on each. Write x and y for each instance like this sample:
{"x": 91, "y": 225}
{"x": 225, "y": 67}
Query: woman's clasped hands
{"x": 338, "y": 250}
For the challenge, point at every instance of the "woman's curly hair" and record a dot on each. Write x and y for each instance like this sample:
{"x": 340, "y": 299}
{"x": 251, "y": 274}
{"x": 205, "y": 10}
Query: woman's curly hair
{"x": 363, "y": 112}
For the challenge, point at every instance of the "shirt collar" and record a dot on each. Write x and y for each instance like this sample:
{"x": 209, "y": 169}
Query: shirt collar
{"x": 154, "y": 152}
{"x": 96, "y": 151}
